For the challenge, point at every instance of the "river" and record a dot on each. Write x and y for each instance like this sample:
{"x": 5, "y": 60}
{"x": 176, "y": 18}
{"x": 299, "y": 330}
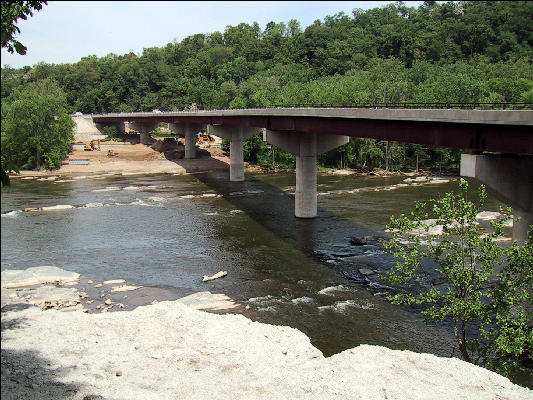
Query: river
{"x": 166, "y": 231}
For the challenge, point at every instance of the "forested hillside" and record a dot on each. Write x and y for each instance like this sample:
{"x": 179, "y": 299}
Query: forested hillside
{"x": 468, "y": 52}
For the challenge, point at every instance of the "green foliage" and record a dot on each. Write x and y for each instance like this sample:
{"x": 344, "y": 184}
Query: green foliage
{"x": 12, "y": 11}
{"x": 111, "y": 131}
{"x": 481, "y": 288}
{"x": 468, "y": 52}
{"x": 36, "y": 129}
{"x": 257, "y": 152}
{"x": 7, "y": 167}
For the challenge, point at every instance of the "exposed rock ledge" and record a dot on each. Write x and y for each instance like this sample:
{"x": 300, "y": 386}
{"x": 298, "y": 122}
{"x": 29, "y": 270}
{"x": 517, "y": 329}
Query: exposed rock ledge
{"x": 169, "y": 350}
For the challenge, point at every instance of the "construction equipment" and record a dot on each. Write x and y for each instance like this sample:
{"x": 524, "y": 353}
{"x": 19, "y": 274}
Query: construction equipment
{"x": 110, "y": 153}
{"x": 203, "y": 138}
{"x": 93, "y": 145}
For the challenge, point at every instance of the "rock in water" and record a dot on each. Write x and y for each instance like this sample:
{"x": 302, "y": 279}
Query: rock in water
{"x": 219, "y": 274}
{"x": 357, "y": 241}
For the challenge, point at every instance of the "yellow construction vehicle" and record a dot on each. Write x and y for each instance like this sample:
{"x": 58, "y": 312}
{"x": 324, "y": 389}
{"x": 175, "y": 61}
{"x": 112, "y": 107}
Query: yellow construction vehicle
{"x": 203, "y": 138}
{"x": 93, "y": 145}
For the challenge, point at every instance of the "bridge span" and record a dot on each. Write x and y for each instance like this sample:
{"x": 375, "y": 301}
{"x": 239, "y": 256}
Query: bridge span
{"x": 309, "y": 132}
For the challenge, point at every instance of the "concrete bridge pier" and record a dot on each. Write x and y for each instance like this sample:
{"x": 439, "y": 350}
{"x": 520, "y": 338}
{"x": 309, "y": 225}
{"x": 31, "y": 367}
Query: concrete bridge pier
{"x": 144, "y": 129}
{"x": 306, "y": 147}
{"x": 509, "y": 179}
{"x": 236, "y": 135}
{"x": 190, "y": 132}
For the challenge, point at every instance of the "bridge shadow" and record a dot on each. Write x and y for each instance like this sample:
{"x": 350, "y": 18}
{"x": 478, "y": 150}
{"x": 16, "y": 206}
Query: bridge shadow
{"x": 326, "y": 239}
{"x": 129, "y": 138}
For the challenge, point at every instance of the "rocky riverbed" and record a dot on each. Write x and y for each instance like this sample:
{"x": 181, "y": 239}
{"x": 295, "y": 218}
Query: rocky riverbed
{"x": 51, "y": 348}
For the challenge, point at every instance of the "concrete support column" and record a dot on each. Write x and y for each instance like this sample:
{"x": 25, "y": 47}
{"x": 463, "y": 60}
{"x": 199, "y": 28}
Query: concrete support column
{"x": 236, "y": 135}
{"x": 509, "y": 179}
{"x": 144, "y": 129}
{"x": 190, "y": 142}
{"x": 305, "y": 147}
{"x": 145, "y": 138}
{"x": 190, "y": 132}
{"x": 305, "y": 205}
{"x": 523, "y": 223}
{"x": 236, "y": 162}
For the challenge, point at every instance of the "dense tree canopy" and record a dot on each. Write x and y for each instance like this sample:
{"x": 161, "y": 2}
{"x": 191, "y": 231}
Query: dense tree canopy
{"x": 453, "y": 52}
{"x": 36, "y": 129}
{"x": 11, "y": 12}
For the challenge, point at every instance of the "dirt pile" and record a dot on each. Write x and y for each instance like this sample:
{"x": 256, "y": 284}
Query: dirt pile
{"x": 171, "y": 149}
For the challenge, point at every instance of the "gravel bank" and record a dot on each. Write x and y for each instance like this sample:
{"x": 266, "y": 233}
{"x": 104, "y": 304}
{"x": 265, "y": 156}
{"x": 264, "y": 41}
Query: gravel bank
{"x": 169, "y": 350}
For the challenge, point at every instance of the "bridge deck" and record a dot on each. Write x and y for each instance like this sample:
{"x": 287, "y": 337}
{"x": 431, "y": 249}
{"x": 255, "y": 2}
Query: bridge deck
{"x": 504, "y": 131}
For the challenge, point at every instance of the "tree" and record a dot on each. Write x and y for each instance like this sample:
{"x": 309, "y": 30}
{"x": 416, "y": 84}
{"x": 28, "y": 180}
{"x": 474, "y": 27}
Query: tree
{"x": 11, "y": 12}
{"x": 478, "y": 286}
{"x": 441, "y": 52}
{"x": 36, "y": 129}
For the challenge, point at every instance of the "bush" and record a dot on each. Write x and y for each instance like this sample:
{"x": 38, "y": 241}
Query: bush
{"x": 111, "y": 131}
{"x": 481, "y": 288}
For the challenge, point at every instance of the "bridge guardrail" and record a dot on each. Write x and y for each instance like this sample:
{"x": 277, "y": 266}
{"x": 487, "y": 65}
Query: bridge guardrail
{"x": 429, "y": 106}
{"x": 464, "y": 106}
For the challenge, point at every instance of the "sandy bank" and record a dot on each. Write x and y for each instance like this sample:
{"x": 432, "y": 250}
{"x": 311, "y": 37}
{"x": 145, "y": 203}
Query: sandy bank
{"x": 133, "y": 158}
{"x": 171, "y": 350}
{"x": 142, "y": 159}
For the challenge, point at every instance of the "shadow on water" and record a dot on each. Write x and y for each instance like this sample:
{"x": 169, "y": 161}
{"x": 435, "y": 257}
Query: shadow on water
{"x": 324, "y": 238}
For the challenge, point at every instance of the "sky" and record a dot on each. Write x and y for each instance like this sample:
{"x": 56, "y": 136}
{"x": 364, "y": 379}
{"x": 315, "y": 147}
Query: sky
{"x": 65, "y": 31}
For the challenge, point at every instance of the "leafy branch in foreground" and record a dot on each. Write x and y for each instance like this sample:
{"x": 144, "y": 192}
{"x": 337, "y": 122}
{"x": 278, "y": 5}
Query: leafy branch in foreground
{"x": 11, "y": 12}
{"x": 483, "y": 289}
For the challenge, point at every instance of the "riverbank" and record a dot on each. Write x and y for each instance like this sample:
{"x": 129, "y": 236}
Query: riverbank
{"x": 169, "y": 349}
{"x": 142, "y": 159}
{"x": 132, "y": 159}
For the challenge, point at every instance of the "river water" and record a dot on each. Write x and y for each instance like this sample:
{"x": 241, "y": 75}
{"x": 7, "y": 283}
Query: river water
{"x": 166, "y": 231}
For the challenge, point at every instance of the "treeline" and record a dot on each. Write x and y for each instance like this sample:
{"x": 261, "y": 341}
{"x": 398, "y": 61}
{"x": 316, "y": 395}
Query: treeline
{"x": 360, "y": 153}
{"x": 468, "y": 52}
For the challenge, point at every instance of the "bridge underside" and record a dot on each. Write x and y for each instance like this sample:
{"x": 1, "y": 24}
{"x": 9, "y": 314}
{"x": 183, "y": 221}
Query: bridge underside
{"x": 512, "y": 139}
{"x": 305, "y": 133}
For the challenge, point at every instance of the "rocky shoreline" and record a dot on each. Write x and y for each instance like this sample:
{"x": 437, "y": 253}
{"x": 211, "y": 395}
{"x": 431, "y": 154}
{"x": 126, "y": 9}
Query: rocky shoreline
{"x": 71, "y": 337}
{"x": 51, "y": 348}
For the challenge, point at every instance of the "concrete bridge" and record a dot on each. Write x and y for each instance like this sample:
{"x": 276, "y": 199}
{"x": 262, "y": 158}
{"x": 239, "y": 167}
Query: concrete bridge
{"x": 309, "y": 132}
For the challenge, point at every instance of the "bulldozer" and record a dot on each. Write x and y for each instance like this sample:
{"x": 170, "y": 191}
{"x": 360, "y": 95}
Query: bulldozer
{"x": 93, "y": 145}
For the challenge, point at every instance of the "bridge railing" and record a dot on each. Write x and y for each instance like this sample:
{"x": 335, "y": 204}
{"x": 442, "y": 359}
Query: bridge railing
{"x": 464, "y": 106}
{"x": 441, "y": 106}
